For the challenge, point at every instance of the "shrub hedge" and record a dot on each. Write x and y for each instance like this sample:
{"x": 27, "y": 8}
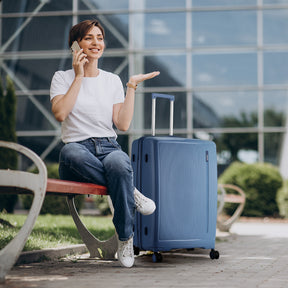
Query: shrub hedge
{"x": 282, "y": 199}
{"x": 260, "y": 182}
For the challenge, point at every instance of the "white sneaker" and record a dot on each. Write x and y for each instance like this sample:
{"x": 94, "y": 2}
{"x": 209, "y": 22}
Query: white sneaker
{"x": 144, "y": 205}
{"x": 125, "y": 253}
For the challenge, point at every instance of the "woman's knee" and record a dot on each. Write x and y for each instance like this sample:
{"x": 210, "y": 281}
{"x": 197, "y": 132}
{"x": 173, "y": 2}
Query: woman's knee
{"x": 117, "y": 162}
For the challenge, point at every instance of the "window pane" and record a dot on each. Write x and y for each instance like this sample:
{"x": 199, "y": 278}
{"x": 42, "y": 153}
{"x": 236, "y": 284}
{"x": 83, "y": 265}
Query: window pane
{"x": 275, "y": 108}
{"x": 42, "y": 33}
{"x": 273, "y": 143}
{"x": 172, "y": 70}
{"x": 163, "y": 111}
{"x": 29, "y": 118}
{"x": 224, "y": 69}
{"x": 225, "y": 109}
{"x": 165, "y": 30}
{"x": 275, "y": 2}
{"x": 117, "y": 65}
{"x": 211, "y": 29}
{"x": 275, "y": 68}
{"x": 116, "y": 29}
{"x": 39, "y": 145}
{"x": 103, "y": 4}
{"x": 199, "y": 3}
{"x": 275, "y": 26}
{"x": 236, "y": 147}
{"x": 31, "y": 5}
{"x": 165, "y": 3}
{"x": 37, "y": 73}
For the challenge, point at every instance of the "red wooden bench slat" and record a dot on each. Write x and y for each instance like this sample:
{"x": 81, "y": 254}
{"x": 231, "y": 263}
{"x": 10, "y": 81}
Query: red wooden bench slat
{"x": 71, "y": 187}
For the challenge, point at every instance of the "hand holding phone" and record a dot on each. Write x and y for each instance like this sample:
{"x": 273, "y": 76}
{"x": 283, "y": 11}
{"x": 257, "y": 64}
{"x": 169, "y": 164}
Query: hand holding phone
{"x": 78, "y": 60}
{"x": 75, "y": 47}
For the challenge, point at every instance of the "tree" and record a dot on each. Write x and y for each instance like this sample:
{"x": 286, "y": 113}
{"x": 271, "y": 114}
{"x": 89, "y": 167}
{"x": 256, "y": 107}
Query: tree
{"x": 8, "y": 158}
{"x": 234, "y": 142}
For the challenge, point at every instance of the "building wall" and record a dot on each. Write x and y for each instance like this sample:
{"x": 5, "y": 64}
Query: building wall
{"x": 226, "y": 62}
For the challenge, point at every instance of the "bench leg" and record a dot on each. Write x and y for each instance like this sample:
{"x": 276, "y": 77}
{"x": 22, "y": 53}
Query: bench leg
{"x": 10, "y": 253}
{"x": 34, "y": 182}
{"x": 97, "y": 248}
{"x": 226, "y": 225}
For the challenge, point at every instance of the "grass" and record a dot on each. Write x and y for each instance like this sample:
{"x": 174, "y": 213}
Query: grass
{"x": 52, "y": 231}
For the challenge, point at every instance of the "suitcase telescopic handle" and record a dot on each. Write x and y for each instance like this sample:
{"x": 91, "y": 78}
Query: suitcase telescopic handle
{"x": 171, "y": 98}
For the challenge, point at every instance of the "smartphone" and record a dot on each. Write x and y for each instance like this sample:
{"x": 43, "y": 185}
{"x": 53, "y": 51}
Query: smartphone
{"x": 75, "y": 46}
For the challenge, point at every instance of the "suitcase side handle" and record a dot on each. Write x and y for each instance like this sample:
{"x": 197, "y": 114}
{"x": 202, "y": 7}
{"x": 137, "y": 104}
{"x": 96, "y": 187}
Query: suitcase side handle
{"x": 166, "y": 96}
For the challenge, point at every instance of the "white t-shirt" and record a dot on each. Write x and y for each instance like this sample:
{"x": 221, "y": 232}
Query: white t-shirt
{"x": 92, "y": 113}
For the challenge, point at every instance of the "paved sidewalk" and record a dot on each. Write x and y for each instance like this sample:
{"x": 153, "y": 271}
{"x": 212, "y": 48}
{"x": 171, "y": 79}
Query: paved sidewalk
{"x": 253, "y": 255}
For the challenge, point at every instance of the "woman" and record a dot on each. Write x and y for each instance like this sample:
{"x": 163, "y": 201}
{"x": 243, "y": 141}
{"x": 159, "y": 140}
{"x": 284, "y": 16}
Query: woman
{"x": 88, "y": 100}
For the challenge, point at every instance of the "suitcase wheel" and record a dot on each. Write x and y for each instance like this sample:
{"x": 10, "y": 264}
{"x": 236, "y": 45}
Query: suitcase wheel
{"x": 157, "y": 257}
{"x": 214, "y": 254}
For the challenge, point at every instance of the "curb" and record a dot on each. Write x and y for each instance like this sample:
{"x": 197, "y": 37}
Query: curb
{"x": 50, "y": 254}
{"x": 56, "y": 253}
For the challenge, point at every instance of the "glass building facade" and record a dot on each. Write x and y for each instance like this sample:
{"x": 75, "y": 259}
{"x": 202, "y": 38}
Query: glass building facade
{"x": 225, "y": 61}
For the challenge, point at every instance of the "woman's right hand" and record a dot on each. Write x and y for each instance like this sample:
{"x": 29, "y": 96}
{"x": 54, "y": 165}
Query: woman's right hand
{"x": 62, "y": 105}
{"x": 79, "y": 60}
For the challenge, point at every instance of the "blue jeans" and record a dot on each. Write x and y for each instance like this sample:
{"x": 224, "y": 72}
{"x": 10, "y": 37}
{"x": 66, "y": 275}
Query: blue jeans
{"x": 101, "y": 161}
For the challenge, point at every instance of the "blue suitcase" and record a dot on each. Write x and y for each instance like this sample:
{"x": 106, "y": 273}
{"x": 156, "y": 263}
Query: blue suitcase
{"x": 180, "y": 175}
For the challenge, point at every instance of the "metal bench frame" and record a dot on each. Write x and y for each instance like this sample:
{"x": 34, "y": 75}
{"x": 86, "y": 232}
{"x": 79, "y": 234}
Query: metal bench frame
{"x": 97, "y": 248}
{"x": 224, "y": 197}
{"x": 27, "y": 181}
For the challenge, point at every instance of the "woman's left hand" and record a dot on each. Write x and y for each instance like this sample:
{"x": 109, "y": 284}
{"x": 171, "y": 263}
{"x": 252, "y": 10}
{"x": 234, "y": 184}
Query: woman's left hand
{"x": 136, "y": 79}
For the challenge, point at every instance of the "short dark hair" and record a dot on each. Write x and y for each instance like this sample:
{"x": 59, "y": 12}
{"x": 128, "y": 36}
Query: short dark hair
{"x": 78, "y": 31}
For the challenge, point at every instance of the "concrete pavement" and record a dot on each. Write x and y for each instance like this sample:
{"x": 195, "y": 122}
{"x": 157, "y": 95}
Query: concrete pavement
{"x": 254, "y": 254}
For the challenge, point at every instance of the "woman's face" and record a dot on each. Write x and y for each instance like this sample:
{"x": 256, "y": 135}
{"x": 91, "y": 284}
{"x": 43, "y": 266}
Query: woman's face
{"x": 93, "y": 43}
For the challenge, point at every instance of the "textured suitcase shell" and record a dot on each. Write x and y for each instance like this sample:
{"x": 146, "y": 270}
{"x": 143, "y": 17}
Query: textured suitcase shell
{"x": 180, "y": 175}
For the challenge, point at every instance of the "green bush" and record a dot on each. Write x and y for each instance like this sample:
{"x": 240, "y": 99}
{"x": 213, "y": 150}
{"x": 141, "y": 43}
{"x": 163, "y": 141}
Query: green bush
{"x": 53, "y": 204}
{"x": 260, "y": 182}
{"x": 103, "y": 205}
{"x": 282, "y": 199}
{"x": 8, "y": 202}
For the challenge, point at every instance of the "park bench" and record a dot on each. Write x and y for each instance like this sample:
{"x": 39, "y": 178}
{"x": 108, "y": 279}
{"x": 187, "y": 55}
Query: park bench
{"x": 21, "y": 182}
{"x": 224, "y": 224}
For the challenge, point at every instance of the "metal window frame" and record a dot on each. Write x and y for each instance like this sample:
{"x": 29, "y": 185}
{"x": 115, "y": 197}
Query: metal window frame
{"x": 130, "y": 52}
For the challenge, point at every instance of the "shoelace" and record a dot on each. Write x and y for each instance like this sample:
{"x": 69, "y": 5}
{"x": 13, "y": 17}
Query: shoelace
{"x": 127, "y": 250}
